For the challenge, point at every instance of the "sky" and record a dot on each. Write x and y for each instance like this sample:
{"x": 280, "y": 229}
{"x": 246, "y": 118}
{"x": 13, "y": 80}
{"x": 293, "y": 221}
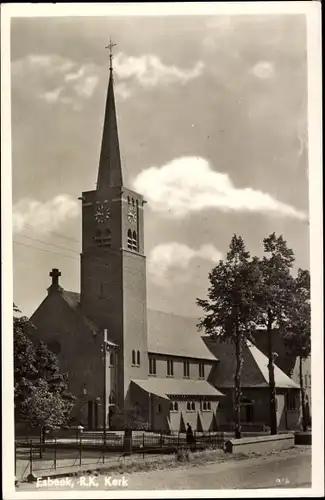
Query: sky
{"x": 212, "y": 117}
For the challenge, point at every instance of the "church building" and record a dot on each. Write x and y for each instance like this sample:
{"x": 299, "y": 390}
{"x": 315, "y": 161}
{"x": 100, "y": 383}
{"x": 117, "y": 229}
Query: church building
{"x": 129, "y": 366}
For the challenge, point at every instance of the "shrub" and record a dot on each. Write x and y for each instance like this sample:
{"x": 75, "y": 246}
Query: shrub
{"x": 182, "y": 455}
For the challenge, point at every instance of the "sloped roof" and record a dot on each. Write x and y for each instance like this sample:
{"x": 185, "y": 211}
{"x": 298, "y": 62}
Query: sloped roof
{"x": 177, "y": 386}
{"x": 167, "y": 333}
{"x": 254, "y": 370}
{"x": 73, "y": 300}
{"x": 176, "y": 336}
{"x": 285, "y": 362}
{"x": 281, "y": 379}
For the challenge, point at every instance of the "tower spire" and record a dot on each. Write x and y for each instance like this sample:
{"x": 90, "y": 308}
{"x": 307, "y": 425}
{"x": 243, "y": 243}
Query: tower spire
{"x": 110, "y": 169}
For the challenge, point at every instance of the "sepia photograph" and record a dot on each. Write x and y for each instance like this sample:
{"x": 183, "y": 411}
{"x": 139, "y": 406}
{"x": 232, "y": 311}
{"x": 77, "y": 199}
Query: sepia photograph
{"x": 162, "y": 328}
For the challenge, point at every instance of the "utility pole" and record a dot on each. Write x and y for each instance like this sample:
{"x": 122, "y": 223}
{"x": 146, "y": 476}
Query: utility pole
{"x": 105, "y": 387}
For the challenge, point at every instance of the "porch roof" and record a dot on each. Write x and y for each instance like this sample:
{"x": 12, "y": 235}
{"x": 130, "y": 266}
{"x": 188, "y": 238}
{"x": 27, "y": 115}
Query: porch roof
{"x": 166, "y": 387}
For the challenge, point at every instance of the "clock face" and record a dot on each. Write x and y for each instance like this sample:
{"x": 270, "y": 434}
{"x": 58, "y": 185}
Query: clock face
{"x": 132, "y": 214}
{"x": 103, "y": 213}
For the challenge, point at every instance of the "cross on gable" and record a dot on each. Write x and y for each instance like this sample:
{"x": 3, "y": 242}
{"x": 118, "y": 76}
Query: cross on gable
{"x": 55, "y": 274}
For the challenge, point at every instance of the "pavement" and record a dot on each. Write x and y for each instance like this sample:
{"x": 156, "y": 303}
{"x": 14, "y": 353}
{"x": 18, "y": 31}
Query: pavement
{"x": 285, "y": 469}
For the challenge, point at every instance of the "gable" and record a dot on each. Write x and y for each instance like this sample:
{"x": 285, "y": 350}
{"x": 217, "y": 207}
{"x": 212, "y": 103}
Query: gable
{"x": 254, "y": 368}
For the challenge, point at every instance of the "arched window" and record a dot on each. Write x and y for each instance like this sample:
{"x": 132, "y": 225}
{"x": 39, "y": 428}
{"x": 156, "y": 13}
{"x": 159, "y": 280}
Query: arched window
{"x": 133, "y": 202}
{"x": 128, "y": 200}
{"x": 103, "y": 238}
{"x": 107, "y": 239}
{"x": 209, "y": 405}
{"x": 133, "y": 357}
{"x": 134, "y": 241}
{"x": 138, "y": 358}
{"x": 188, "y": 406}
{"x": 130, "y": 239}
{"x": 193, "y": 406}
{"x": 204, "y": 405}
{"x": 111, "y": 359}
{"x": 174, "y": 406}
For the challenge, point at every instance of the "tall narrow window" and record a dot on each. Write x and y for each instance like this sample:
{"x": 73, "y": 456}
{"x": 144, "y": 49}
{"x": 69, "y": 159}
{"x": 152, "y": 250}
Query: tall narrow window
{"x": 130, "y": 239}
{"x": 129, "y": 200}
{"x": 134, "y": 241}
{"x": 186, "y": 369}
{"x": 111, "y": 359}
{"x": 201, "y": 370}
{"x": 152, "y": 366}
{"x": 170, "y": 367}
{"x": 133, "y": 357}
{"x": 291, "y": 401}
{"x": 138, "y": 358}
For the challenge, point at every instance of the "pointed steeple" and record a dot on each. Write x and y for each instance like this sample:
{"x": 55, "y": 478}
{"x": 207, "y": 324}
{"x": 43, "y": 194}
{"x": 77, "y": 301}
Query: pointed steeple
{"x": 110, "y": 168}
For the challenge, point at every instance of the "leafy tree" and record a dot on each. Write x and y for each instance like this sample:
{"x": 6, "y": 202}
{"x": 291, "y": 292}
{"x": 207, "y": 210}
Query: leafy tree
{"x": 298, "y": 331}
{"x": 275, "y": 300}
{"x": 230, "y": 308}
{"x": 44, "y": 408}
{"x": 40, "y": 390}
{"x": 24, "y": 360}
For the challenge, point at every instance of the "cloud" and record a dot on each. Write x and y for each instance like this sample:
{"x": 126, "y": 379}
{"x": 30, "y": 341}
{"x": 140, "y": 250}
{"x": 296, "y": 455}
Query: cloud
{"x": 52, "y": 96}
{"x": 188, "y": 184}
{"x": 149, "y": 71}
{"x": 47, "y": 215}
{"x": 166, "y": 260}
{"x": 55, "y": 79}
{"x": 86, "y": 86}
{"x": 263, "y": 70}
{"x": 122, "y": 91}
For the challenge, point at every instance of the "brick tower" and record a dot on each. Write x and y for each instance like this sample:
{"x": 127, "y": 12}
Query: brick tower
{"x": 113, "y": 264}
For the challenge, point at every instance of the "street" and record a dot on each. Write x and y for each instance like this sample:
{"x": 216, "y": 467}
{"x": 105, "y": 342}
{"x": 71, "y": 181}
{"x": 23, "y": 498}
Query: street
{"x": 287, "y": 469}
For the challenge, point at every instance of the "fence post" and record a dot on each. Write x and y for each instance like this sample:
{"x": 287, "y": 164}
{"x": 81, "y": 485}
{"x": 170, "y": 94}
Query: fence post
{"x": 31, "y": 457}
{"x": 178, "y": 439}
{"x": 80, "y": 451}
{"x": 54, "y": 453}
{"x": 143, "y": 446}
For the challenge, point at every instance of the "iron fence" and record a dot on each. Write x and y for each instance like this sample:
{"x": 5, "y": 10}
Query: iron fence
{"x": 73, "y": 450}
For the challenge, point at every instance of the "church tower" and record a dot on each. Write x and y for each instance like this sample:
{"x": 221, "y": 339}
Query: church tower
{"x": 113, "y": 264}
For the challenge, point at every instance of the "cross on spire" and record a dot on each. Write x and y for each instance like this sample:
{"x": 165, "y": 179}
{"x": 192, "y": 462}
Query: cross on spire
{"x": 55, "y": 274}
{"x": 110, "y": 169}
{"x": 110, "y": 48}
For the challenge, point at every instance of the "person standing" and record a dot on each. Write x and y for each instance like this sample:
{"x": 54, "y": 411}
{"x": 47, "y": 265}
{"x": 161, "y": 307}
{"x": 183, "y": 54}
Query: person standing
{"x": 189, "y": 434}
